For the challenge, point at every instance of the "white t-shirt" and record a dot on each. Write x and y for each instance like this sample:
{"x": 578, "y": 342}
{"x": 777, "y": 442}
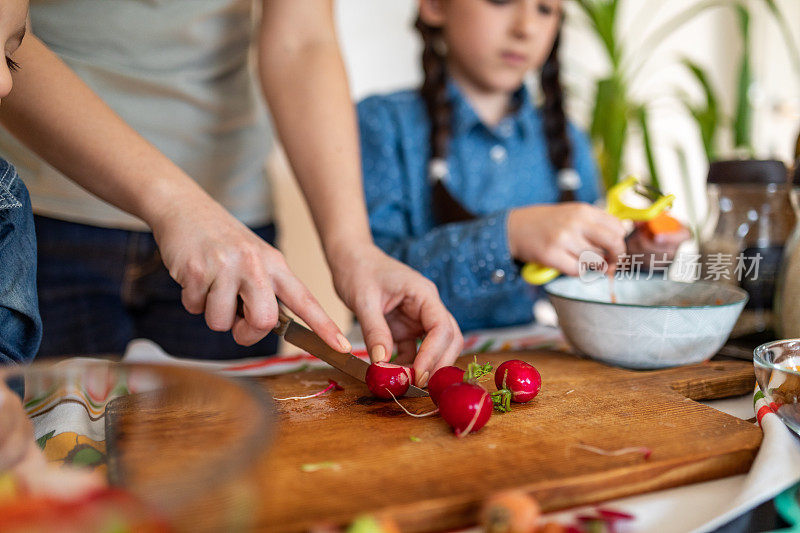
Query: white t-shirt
{"x": 179, "y": 72}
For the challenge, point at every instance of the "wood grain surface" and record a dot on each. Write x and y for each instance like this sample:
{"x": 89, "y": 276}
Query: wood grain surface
{"x": 437, "y": 482}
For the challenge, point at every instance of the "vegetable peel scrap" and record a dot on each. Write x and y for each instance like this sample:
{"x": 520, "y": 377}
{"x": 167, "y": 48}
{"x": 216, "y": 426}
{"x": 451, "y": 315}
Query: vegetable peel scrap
{"x": 332, "y": 385}
{"x": 414, "y": 439}
{"x": 325, "y": 465}
{"x": 409, "y": 413}
{"x": 462, "y": 434}
{"x": 646, "y": 452}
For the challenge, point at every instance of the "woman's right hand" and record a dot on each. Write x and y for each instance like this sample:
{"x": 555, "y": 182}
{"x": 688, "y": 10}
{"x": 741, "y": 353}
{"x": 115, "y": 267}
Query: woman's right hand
{"x": 217, "y": 260}
{"x": 555, "y": 235}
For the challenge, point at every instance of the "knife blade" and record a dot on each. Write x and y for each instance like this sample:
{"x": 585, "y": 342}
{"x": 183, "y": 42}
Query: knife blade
{"x": 304, "y": 338}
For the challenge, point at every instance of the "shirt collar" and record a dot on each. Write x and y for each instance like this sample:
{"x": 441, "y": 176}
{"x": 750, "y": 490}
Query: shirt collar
{"x": 525, "y": 118}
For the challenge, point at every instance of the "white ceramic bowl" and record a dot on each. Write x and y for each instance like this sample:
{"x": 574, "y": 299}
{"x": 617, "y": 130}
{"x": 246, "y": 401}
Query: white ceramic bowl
{"x": 653, "y": 324}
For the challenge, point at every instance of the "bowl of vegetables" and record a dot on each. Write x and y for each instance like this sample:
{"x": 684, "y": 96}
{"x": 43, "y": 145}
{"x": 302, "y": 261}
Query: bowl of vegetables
{"x": 646, "y": 323}
{"x": 175, "y": 444}
{"x": 777, "y": 367}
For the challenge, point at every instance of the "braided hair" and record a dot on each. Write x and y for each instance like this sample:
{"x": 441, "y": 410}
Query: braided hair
{"x": 446, "y": 208}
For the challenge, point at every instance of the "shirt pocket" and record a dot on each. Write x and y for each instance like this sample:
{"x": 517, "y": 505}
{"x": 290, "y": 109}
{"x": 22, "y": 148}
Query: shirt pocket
{"x": 8, "y": 180}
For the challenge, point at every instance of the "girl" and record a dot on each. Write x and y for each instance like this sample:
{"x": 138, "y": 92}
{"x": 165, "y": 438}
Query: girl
{"x": 179, "y": 72}
{"x": 465, "y": 179}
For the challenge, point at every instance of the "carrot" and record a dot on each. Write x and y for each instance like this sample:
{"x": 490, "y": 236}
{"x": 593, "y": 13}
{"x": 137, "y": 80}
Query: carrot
{"x": 663, "y": 223}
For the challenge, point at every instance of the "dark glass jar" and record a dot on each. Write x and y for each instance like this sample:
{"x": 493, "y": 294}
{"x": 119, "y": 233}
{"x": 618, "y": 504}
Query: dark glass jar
{"x": 787, "y": 294}
{"x": 749, "y": 221}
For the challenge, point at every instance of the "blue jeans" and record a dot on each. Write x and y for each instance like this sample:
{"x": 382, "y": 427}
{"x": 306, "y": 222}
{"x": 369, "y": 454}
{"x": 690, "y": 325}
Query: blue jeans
{"x": 20, "y": 325}
{"x": 99, "y": 288}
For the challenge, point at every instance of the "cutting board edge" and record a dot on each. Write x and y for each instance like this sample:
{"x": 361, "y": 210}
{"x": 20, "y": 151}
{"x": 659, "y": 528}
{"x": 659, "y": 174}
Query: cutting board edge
{"x": 453, "y": 513}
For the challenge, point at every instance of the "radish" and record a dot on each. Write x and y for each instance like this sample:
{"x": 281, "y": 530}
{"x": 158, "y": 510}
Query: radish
{"x": 466, "y": 407}
{"x": 443, "y": 378}
{"x": 385, "y": 380}
{"x": 448, "y": 375}
{"x": 520, "y": 378}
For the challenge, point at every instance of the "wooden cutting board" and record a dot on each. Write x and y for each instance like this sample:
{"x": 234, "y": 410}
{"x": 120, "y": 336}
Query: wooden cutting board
{"x": 439, "y": 482}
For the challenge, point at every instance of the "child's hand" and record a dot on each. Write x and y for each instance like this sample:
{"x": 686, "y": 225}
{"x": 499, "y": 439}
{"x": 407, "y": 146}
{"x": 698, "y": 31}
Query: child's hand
{"x": 20, "y": 455}
{"x": 656, "y": 246}
{"x": 555, "y": 235}
{"x": 16, "y": 431}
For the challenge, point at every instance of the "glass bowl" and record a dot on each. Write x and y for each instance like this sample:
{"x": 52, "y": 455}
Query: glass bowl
{"x": 777, "y": 367}
{"x": 181, "y": 440}
{"x": 651, "y": 323}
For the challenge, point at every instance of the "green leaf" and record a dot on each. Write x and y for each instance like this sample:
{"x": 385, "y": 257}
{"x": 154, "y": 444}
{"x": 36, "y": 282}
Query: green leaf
{"x": 786, "y": 31}
{"x": 641, "y": 115}
{"x": 742, "y": 122}
{"x": 639, "y": 55}
{"x": 686, "y": 182}
{"x": 602, "y": 15}
{"x": 609, "y": 127}
{"x": 708, "y": 117}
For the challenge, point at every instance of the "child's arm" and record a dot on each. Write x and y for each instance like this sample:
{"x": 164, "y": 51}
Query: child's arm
{"x": 469, "y": 262}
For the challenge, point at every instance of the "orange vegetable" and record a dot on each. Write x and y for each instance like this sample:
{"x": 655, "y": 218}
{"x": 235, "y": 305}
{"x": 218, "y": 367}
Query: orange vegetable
{"x": 663, "y": 223}
{"x": 511, "y": 511}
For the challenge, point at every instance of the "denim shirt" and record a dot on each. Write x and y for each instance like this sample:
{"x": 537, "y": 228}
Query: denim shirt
{"x": 491, "y": 171}
{"x": 20, "y": 324}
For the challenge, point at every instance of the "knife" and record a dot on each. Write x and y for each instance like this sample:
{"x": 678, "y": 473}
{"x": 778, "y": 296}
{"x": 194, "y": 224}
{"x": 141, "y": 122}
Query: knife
{"x": 304, "y": 338}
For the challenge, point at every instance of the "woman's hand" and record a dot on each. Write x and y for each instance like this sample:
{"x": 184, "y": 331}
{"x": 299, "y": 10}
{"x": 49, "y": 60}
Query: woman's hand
{"x": 396, "y": 305}
{"x": 651, "y": 247}
{"x": 217, "y": 260}
{"x": 555, "y": 235}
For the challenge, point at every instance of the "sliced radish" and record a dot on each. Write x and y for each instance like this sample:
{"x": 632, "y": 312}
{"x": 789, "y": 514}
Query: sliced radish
{"x": 443, "y": 378}
{"x": 466, "y": 407}
{"x": 385, "y": 380}
{"x": 519, "y": 377}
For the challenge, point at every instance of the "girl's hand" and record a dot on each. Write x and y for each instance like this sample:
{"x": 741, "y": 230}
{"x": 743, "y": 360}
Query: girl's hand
{"x": 216, "y": 259}
{"x": 396, "y": 306}
{"x": 656, "y": 247}
{"x": 555, "y": 235}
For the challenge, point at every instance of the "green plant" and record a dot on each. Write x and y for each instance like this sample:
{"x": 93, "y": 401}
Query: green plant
{"x": 615, "y": 108}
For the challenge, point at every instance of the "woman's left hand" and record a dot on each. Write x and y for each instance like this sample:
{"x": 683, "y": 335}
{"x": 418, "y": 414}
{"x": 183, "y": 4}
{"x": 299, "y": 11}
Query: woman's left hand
{"x": 396, "y": 306}
{"x": 659, "y": 247}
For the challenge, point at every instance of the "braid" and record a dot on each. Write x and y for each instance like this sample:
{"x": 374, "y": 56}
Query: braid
{"x": 434, "y": 93}
{"x": 559, "y": 149}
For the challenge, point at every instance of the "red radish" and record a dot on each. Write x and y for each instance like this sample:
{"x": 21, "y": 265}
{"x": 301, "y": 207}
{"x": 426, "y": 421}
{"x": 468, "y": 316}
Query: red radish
{"x": 386, "y": 379}
{"x": 443, "y": 378}
{"x": 522, "y": 379}
{"x": 466, "y": 407}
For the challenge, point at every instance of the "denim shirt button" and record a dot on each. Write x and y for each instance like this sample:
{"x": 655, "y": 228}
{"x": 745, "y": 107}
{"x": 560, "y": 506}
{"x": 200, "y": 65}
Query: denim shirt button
{"x": 498, "y": 153}
{"x": 506, "y": 128}
{"x": 498, "y": 276}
